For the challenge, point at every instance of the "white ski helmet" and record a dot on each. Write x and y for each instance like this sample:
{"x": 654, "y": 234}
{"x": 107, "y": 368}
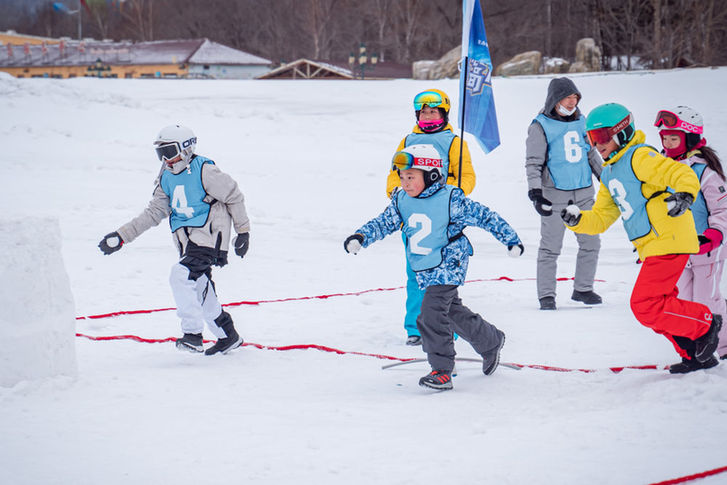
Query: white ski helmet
{"x": 422, "y": 157}
{"x": 174, "y": 140}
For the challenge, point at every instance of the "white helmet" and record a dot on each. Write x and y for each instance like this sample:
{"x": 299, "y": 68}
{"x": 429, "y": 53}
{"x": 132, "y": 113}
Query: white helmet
{"x": 423, "y": 157}
{"x": 174, "y": 140}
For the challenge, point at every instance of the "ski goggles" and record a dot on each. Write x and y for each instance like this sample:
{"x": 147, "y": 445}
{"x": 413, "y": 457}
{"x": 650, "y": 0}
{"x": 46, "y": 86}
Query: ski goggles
{"x": 405, "y": 161}
{"x": 671, "y": 120}
{"x": 601, "y": 136}
{"x": 429, "y": 98}
{"x": 168, "y": 151}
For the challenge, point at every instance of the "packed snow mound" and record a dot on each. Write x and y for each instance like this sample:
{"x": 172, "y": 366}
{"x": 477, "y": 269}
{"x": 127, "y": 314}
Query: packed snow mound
{"x": 37, "y": 322}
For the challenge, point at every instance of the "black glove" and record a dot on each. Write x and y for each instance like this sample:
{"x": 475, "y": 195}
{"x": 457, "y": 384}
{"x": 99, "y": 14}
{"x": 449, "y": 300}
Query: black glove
{"x": 242, "y": 243}
{"x": 111, "y": 243}
{"x": 678, "y": 203}
{"x": 516, "y": 250}
{"x": 571, "y": 215}
{"x": 543, "y": 206}
{"x": 353, "y": 243}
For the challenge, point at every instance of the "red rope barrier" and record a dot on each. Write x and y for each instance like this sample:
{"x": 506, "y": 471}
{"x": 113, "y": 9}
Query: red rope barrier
{"x": 300, "y": 298}
{"x": 323, "y": 348}
{"x": 696, "y": 476}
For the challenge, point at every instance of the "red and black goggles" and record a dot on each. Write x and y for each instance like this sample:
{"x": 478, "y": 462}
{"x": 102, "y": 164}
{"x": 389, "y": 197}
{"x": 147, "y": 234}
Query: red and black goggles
{"x": 601, "y": 136}
{"x": 671, "y": 120}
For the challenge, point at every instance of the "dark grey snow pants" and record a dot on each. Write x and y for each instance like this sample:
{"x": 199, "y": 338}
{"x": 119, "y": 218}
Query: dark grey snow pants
{"x": 443, "y": 314}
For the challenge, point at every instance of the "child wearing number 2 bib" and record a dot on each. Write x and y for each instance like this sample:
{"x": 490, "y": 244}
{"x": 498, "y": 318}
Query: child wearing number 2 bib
{"x": 432, "y": 216}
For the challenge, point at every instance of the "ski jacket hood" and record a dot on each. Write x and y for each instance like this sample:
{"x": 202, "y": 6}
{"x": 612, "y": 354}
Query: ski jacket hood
{"x": 559, "y": 88}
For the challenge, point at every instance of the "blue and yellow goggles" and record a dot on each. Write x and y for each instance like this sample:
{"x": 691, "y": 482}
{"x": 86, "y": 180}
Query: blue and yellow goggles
{"x": 429, "y": 98}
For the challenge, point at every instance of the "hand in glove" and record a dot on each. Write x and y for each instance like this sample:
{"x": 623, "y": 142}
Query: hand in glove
{"x": 571, "y": 215}
{"x": 678, "y": 203}
{"x": 543, "y": 206}
{"x": 353, "y": 243}
{"x": 516, "y": 250}
{"x": 710, "y": 240}
{"x": 242, "y": 244}
{"x": 111, "y": 243}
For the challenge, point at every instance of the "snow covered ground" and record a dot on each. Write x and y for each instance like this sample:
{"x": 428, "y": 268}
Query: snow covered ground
{"x": 311, "y": 158}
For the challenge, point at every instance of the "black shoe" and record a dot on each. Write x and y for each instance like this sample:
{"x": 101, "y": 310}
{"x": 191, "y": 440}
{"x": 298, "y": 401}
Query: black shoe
{"x": 491, "y": 359}
{"x": 707, "y": 343}
{"x": 437, "y": 379}
{"x": 690, "y": 365}
{"x": 224, "y": 345}
{"x": 547, "y": 303}
{"x": 414, "y": 340}
{"x": 588, "y": 297}
{"x": 191, "y": 342}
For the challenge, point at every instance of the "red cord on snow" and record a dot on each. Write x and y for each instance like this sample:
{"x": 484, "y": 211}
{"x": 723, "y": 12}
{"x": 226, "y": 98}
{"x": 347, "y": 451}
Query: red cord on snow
{"x": 696, "y": 476}
{"x": 281, "y": 300}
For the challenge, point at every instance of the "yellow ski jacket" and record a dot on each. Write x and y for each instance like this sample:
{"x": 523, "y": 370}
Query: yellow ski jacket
{"x": 668, "y": 235}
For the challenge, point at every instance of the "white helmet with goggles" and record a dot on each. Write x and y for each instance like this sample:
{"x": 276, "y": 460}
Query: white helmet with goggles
{"x": 422, "y": 157}
{"x": 173, "y": 141}
{"x": 682, "y": 118}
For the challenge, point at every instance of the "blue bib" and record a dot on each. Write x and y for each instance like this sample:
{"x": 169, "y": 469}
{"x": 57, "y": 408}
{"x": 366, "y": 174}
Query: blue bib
{"x": 567, "y": 152}
{"x": 625, "y": 190}
{"x": 186, "y": 195}
{"x": 425, "y": 226}
{"x": 699, "y": 207}
{"x": 441, "y": 140}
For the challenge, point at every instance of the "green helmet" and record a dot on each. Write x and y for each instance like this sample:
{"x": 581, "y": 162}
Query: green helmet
{"x": 610, "y": 121}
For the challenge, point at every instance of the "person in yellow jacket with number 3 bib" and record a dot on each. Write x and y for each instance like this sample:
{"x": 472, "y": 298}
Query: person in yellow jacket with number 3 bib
{"x": 652, "y": 194}
{"x": 431, "y": 109}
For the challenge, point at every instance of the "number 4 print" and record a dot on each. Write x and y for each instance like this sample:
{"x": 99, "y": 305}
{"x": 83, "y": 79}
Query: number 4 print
{"x": 179, "y": 202}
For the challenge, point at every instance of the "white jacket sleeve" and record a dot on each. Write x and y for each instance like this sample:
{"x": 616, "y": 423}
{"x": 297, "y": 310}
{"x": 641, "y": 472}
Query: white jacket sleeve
{"x": 157, "y": 210}
{"x": 224, "y": 189}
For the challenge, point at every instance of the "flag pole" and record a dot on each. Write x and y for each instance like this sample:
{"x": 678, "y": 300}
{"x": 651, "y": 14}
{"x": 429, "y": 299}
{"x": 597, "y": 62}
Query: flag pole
{"x": 461, "y": 128}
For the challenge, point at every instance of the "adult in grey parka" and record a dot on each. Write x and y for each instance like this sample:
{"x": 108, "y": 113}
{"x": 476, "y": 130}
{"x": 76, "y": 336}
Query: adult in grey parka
{"x": 559, "y": 166}
{"x": 202, "y": 202}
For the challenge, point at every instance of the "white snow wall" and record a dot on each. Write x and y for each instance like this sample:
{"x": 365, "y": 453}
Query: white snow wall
{"x": 37, "y": 314}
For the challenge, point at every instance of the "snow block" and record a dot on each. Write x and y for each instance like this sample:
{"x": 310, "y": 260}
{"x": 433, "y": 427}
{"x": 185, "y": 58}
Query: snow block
{"x": 37, "y": 313}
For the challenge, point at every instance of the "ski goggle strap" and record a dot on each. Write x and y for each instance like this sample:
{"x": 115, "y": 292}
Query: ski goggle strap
{"x": 168, "y": 151}
{"x": 604, "y": 135}
{"x": 405, "y": 161}
{"x": 671, "y": 120}
{"x": 430, "y": 98}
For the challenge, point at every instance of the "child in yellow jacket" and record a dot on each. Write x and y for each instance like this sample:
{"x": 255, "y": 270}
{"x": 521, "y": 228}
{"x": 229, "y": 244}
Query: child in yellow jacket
{"x": 652, "y": 194}
{"x": 431, "y": 109}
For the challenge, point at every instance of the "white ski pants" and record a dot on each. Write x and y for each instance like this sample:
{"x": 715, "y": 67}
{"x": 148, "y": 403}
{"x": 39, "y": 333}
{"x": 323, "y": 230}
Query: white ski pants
{"x": 196, "y": 301}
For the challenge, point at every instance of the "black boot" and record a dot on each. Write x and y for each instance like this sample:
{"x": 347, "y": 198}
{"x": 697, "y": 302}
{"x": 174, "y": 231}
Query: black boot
{"x": 491, "y": 359}
{"x": 707, "y": 343}
{"x": 191, "y": 342}
{"x": 690, "y": 365}
{"x": 232, "y": 339}
{"x": 547, "y": 303}
{"x": 588, "y": 297}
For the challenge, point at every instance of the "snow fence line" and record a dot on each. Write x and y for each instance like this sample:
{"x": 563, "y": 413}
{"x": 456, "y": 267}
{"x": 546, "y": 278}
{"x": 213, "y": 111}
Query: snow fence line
{"x": 300, "y": 298}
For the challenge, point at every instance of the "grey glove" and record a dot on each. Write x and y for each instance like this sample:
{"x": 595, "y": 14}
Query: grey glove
{"x": 678, "y": 203}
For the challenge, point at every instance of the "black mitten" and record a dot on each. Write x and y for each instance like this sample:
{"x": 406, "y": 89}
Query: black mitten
{"x": 543, "y": 206}
{"x": 111, "y": 243}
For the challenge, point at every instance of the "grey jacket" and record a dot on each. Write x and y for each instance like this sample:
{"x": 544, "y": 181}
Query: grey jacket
{"x": 536, "y": 145}
{"x": 228, "y": 207}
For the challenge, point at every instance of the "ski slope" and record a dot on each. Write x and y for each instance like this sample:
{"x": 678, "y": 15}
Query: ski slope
{"x": 311, "y": 158}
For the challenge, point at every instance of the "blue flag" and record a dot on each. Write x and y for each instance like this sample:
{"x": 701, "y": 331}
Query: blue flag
{"x": 477, "y": 105}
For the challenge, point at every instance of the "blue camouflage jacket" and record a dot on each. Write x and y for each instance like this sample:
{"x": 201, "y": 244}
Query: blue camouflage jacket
{"x": 455, "y": 255}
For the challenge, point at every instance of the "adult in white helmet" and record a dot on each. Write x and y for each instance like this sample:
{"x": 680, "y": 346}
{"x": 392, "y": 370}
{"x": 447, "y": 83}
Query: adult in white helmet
{"x": 201, "y": 203}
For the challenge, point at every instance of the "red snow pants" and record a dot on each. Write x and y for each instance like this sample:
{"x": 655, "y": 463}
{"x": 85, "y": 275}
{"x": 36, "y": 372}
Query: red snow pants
{"x": 655, "y": 304}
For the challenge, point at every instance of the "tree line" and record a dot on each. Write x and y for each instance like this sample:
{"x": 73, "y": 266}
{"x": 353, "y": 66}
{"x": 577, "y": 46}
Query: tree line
{"x": 631, "y": 33}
